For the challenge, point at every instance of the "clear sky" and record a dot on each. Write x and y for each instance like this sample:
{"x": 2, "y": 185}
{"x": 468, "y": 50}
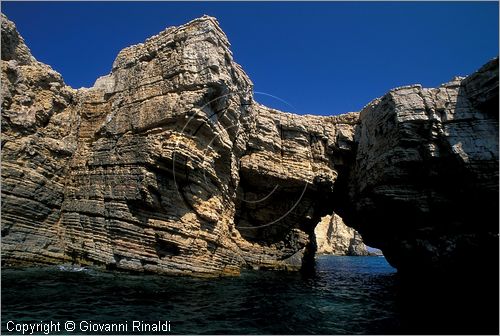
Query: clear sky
{"x": 322, "y": 57}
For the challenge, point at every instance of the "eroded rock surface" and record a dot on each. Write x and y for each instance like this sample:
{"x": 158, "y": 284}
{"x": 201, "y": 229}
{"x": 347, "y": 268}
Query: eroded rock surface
{"x": 162, "y": 165}
{"x": 39, "y": 138}
{"x": 288, "y": 175}
{"x": 424, "y": 186}
{"x": 168, "y": 165}
{"x": 336, "y": 238}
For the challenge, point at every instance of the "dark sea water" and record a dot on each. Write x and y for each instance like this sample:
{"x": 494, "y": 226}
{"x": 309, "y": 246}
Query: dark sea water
{"x": 343, "y": 295}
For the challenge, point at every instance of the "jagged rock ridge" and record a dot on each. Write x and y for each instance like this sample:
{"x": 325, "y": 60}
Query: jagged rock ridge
{"x": 168, "y": 165}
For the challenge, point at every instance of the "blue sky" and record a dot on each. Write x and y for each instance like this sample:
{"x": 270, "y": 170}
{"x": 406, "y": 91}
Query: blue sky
{"x": 322, "y": 58}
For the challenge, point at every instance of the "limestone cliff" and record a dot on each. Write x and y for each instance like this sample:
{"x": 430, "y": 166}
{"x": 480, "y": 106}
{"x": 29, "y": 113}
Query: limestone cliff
{"x": 424, "y": 185}
{"x": 39, "y": 137}
{"x": 336, "y": 238}
{"x": 168, "y": 164}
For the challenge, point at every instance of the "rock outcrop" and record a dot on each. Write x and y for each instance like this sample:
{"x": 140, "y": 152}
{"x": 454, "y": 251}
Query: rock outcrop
{"x": 336, "y": 238}
{"x": 168, "y": 165}
{"x": 287, "y": 179}
{"x": 424, "y": 186}
{"x": 39, "y": 138}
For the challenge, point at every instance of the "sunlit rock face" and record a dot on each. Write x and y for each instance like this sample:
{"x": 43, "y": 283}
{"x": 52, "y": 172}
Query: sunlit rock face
{"x": 335, "y": 238}
{"x": 137, "y": 173}
{"x": 161, "y": 166}
{"x": 39, "y": 137}
{"x": 168, "y": 165}
{"x": 288, "y": 175}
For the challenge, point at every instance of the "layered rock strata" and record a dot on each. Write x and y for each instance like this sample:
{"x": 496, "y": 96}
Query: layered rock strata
{"x": 424, "y": 185}
{"x": 168, "y": 165}
{"x": 39, "y": 138}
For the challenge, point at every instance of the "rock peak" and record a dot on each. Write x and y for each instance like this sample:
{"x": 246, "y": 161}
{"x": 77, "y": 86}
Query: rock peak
{"x": 13, "y": 45}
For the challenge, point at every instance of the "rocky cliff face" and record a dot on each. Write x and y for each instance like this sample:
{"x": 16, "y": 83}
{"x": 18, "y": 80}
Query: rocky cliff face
{"x": 426, "y": 172}
{"x": 39, "y": 138}
{"x": 288, "y": 174}
{"x": 334, "y": 237}
{"x": 168, "y": 165}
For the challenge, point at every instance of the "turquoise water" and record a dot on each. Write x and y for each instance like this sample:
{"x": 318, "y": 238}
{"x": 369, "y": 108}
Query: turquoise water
{"x": 343, "y": 295}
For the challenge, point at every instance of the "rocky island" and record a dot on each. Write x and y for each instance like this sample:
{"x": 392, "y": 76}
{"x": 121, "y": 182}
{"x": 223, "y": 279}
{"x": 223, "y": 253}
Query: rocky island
{"x": 168, "y": 165}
